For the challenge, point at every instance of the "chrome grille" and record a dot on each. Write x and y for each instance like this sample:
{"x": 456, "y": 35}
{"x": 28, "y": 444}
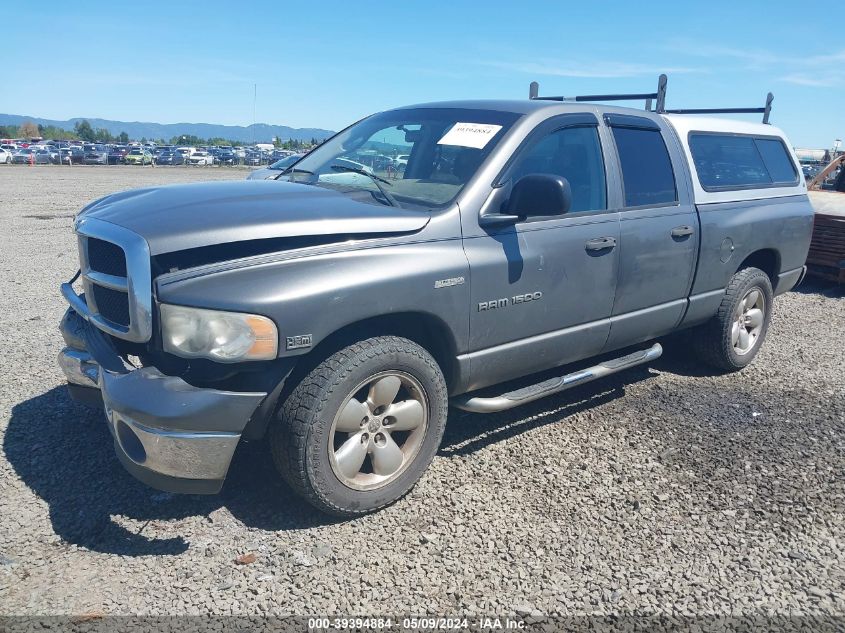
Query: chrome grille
{"x": 115, "y": 266}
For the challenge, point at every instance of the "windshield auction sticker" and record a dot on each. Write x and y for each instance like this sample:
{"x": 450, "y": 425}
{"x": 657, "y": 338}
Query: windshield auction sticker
{"x": 475, "y": 135}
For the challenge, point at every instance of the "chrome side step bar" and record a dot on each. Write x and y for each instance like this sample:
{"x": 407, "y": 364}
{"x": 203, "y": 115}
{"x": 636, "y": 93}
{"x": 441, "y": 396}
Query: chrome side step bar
{"x": 468, "y": 402}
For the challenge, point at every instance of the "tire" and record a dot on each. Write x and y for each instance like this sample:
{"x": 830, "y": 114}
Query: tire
{"x": 720, "y": 342}
{"x": 321, "y": 416}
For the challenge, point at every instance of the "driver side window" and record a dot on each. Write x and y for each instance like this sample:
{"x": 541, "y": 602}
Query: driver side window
{"x": 574, "y": 153}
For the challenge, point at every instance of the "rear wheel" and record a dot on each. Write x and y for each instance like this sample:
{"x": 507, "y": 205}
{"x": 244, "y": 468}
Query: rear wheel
{"x": 731, "y": 339}
{"x": 359, "y": 430}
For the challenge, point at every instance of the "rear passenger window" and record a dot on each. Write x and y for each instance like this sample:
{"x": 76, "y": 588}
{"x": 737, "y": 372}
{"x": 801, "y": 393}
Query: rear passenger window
{"x": 777, "y": 160}
{"x": 646, "y": 169}
{"x": 725, "y": 161}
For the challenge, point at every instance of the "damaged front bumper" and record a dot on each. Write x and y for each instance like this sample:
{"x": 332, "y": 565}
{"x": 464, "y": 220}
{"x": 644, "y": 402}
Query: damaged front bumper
{"x": 167, "y": 433}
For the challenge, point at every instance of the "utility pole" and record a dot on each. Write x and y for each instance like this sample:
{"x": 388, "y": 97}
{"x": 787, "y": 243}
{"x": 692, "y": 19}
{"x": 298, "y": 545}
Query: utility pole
{"x": 254, "y": 99}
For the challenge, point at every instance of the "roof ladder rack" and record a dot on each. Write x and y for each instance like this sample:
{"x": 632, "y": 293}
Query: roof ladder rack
{"x": 765, "y": 110}
{"x": 659, "y": 99}
{"x": 659, "y": 96}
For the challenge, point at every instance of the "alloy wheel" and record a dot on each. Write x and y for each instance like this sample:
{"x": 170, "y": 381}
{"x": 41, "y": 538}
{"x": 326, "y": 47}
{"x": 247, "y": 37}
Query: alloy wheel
{"x": 378, "y": 430}
{"x": 748, "y": 321}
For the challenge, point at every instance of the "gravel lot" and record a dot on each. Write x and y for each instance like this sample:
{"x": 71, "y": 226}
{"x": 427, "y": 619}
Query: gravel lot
{"x": 665, "y": 490}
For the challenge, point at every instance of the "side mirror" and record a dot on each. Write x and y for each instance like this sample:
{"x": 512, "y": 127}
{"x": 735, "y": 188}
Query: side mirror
{"x": 540, "y": 195}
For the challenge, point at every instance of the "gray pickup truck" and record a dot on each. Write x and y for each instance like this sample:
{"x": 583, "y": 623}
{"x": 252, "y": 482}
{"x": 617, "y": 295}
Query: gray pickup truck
{"x": 337, "y": 311}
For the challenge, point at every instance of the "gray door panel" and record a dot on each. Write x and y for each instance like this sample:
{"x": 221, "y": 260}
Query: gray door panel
{"x": 644, "y": 325}
{"x": 659, "y": 238}
{"x": 655, "y": 265}
{"x": 505, "y": 362}
{"x": 548, "y": 257}
{"x": 657, "y": 254}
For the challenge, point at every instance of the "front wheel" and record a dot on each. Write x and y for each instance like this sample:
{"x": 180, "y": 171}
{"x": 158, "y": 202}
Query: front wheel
{"x": 358, "y": 431}
{"x": 732, "y": 338}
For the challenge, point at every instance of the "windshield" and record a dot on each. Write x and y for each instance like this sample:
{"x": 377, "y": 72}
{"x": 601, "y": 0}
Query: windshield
{"x": 441, "y": 149}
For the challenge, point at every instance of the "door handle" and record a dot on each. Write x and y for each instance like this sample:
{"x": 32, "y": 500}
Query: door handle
{"x": 601, "y": 243}
{"x": 682, "y": 231}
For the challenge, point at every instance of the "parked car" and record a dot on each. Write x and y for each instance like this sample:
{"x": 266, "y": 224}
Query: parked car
{"x": 117, "y": 154}
{"x": 73, "y": 155}
{"x": 44, "y": 148}
{"x": 27, "y": 155}
{"x": 138, "y": 156}
{"x": 279, "y": 154}
{"x": 227, "y": 157}
{"x": 271, "y": 171}
{"x": 252, "y": 158}
{"x": 381, "y": 163}
{"x": 201, "y": 158}
{"x": 337, "y": 321}
{"x": 96, "y": 155}
{"x": 170, "y": 157}
{"x": 401, "y": 161}
{"x": 45, "y": 156}
{"x": 55, "y": 154}
{"x": 5, "y": 156}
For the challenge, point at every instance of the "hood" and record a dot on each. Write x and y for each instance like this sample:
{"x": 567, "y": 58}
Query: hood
{"x": 181, "y": 217}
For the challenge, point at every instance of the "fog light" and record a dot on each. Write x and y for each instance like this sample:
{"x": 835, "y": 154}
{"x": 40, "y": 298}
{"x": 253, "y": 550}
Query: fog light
{"x": 130, "y": 443}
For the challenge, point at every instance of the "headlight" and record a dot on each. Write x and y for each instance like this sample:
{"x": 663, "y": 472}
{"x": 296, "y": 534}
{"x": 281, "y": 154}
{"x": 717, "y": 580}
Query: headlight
{"x": 226, "y": 337}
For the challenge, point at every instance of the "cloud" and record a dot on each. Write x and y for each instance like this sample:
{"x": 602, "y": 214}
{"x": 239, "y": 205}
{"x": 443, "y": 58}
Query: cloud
{"x": 801, "y": 69}
{"x": 824, "y": 80}
{"x": 829, "y": 59}
{"x": 599, "y": 69}
{"x": 755, "y": 58}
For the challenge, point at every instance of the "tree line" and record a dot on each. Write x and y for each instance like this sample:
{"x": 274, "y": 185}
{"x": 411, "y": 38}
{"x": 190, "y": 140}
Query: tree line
{"x": 83, "y": 131}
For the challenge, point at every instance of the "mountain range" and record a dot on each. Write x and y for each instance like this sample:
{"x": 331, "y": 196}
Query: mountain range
{"x": 260, "y": 132}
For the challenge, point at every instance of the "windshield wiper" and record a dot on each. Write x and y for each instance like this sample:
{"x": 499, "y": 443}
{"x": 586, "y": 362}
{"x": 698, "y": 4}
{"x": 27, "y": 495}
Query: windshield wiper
{"x": 296, "y": 170}
{"x": 377, "y": 180}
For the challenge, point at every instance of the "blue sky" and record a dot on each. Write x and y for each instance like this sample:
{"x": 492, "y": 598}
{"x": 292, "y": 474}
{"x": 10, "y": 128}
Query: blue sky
{"x": 326, "y": 64}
